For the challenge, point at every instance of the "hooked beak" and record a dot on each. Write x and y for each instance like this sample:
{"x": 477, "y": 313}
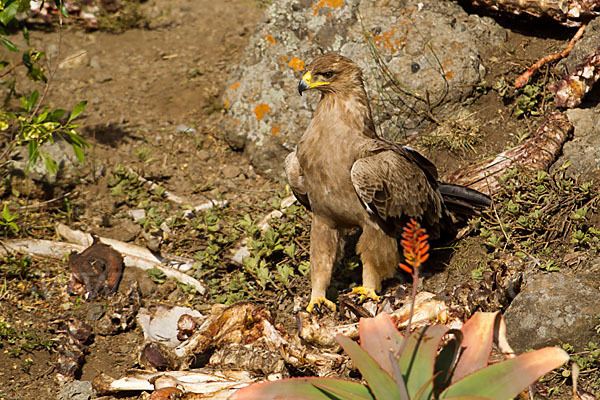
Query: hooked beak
{"x": 306, "y": 83}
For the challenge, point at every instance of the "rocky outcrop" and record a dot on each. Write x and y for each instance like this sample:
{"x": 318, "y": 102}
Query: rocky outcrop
{"x": 418, "y": 57}
{"x": 581, "y": 153}
{"x": 555, "y": 308}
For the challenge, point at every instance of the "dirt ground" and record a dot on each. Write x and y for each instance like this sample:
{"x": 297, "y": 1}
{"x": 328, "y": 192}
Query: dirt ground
{"x": 154, "y": 105}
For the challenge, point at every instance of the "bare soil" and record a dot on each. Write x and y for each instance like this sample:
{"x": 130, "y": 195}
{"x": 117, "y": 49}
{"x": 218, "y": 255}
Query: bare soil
{"x": 154, "y": 105}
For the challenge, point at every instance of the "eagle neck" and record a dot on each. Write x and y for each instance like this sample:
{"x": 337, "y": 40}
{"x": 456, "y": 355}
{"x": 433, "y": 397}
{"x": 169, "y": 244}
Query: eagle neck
{"x": 350, "y": 109}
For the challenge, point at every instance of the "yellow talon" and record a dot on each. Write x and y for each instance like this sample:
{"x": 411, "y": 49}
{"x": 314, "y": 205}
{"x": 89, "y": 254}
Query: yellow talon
{"x": 365, "y": 293}
{"x": 318, "y": 302}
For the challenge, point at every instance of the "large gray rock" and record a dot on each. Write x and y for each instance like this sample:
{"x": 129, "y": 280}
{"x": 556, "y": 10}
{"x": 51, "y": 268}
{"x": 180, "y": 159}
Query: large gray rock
{"x": 554, "y": 308}
{"x": 77, "y": 390}
{"x": 582, "y": 48}
{"x": 431, "y": 50}
{"x": 583, "y": 152}
{"x": 60, "y": 151}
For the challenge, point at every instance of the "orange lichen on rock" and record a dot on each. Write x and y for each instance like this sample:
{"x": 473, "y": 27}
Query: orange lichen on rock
{"x": 234, "y": 86}
{"x": 260, "y": 111}
{"x": 388, "y": 40}
{"x": 327, "y": 3}
{"x": 447, "y": 68}
{"x": 297, "y": 64}
{"x": 275, "y": 129}
{"x": 270, "y": 39}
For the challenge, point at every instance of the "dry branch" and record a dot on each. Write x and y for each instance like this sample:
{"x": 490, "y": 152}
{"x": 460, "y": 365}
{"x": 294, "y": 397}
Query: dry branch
{"x": 537, "y": 153}
{"x": 566, "y": 12}
{"x": 40, "y": 248}
{"x": 151, "y": 185}
{"x": 212, "y": 384}
{"x": 134, "y": 256}
{"x": 524, "y": 78}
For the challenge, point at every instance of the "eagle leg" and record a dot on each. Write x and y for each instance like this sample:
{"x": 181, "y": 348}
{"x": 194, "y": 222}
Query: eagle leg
{"x": 379, "y": 255}
{"x": 324, "y": 244}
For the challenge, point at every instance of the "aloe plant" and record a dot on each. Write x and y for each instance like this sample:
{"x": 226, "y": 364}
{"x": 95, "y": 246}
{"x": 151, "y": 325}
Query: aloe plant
{"x": 417, "y": 370}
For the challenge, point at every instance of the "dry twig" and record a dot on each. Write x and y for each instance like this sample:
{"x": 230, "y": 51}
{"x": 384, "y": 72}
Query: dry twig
{"x": 524, "y": 78}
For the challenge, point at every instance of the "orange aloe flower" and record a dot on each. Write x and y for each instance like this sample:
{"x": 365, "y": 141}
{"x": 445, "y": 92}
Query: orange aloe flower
{"x": 415, "y": 246}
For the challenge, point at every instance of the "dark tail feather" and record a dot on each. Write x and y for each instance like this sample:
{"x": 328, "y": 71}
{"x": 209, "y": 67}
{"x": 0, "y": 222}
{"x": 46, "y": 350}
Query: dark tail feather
{"x": 462, "y": 200}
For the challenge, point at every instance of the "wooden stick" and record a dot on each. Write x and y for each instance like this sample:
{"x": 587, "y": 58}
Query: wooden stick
{"x": 524, "y": 78}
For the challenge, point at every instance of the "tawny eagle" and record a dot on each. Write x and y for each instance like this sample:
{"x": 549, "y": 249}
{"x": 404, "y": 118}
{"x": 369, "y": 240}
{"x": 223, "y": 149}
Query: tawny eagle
{"x": 351, "y": 178}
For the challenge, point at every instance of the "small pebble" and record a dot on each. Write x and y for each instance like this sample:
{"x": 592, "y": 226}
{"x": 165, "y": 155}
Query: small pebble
{"x": 137, "y": 214}
{"x": 203, "y": 155}
{"x": 184, "y": 129}
{"x": 95, "y": 63}
{"x": 231, "y": 171}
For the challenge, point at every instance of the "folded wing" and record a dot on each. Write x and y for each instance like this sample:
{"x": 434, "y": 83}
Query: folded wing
{"x": 393, "y": 187}
{"x": 296, "y": 179}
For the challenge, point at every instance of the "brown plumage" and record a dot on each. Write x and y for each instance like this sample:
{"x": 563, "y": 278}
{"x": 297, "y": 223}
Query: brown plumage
{"x": 349, "y": 178}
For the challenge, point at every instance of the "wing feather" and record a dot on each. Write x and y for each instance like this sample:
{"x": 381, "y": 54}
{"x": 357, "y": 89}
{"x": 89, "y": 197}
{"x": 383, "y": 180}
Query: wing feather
{"x": 394, "y": 187}
{"x": 295, "y": 176}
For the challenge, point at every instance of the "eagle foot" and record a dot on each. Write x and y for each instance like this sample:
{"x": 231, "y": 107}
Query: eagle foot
{"x": 318, "y": 302}
{"x": 365, "y": 293}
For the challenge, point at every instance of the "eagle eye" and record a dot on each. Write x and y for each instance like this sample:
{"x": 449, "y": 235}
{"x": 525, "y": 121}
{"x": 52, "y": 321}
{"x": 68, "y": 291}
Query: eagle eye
{"x": 327, "y": 74}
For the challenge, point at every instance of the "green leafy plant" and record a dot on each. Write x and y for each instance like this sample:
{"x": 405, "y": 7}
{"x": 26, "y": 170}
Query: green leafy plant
{"x": 528, "y": 102}
{"x": 156, "y": 275}
{"x": 422, "y": 366}
{"x": 16, "y": 266}
{"x": 550, "y": 266}
{"x": 536, "y": 214}
{"x": 7, "y": 219}
{"x": 32, "y": 124}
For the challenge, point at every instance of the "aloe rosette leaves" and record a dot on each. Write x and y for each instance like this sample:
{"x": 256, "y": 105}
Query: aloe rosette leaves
{"x": 435, "y": 362}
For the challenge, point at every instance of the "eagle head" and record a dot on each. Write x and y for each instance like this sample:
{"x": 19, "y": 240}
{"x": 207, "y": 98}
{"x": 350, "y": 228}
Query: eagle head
{"x": 331, "y": 73}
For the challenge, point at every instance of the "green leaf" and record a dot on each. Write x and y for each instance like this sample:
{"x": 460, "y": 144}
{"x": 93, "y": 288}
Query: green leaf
{"x": 9, "y": 45}
{"x": 49, "y": 163}
{"x": 26, "y": 34}
{"x": 467, "y": 398}
{"x": 33, "y": 152}
{"x": 78, "y": 152}
{"x": 417, "y": 361}
{"x": 379, "y": 381}
{"x": 446, "y": 361}
{"x": 13, "y": 226}
{"x": 6, "y": 215}
{"x": 56, "y": 114}
{"x": 77, "y": 139}
{"x": 77, "y": 110}
{"x": 41, "y": 117}
{"x": 301, "y": 389}
{"x": 28, "y": 103}
{"x": 290, "y": 250}
{"x": 342, "y": 394}
{"x": 508, "y": 378}
{"x": 37, "y": 74}
{"x": 64, "y": 12}
{"x": 9, "y": 13}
